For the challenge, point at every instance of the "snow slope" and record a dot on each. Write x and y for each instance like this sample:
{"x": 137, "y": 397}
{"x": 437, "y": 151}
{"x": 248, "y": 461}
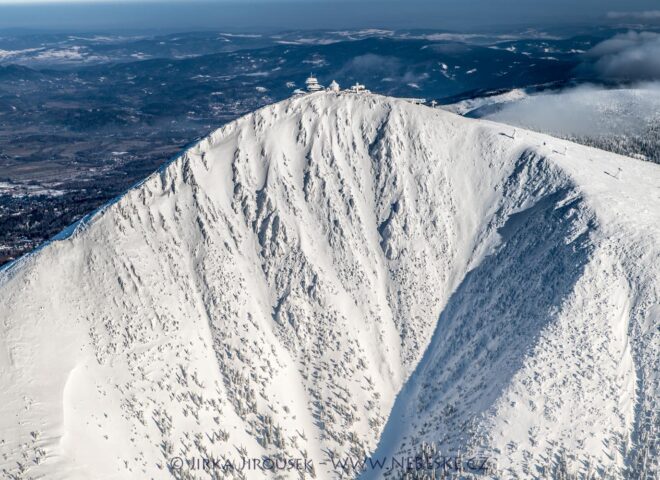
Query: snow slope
{"x": 477, "y": 104}
{"x": 340, "y": 275}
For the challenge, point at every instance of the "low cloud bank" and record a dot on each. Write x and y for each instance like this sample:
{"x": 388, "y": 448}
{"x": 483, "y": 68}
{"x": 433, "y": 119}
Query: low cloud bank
{"x": 586, "y": 111}
{"x": 647, "y": 15}
{"x": 632, "y": 56}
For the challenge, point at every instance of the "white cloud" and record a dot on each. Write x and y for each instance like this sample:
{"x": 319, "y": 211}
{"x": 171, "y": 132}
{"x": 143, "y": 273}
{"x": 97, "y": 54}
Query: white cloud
{"x": 586, "y": 111}
{"x": 629, "y": 56}
{"x": 647, "y": 15}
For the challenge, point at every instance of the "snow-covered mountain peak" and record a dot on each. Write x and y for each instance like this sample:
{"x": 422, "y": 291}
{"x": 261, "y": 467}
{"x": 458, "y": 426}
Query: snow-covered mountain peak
{"x": 338, "y": 275}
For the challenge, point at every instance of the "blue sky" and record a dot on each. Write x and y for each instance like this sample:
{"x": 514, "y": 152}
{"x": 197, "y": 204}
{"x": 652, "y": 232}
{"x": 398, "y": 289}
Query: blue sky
{"x": 284, "y": 14}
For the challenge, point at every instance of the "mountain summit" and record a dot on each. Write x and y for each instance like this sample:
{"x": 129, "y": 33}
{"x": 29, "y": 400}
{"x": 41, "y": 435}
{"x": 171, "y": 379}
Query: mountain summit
{"x": 337, "y": 276}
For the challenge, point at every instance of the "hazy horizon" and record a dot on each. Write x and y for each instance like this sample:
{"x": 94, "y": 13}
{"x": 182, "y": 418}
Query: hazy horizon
{"x": 270, "y": 15}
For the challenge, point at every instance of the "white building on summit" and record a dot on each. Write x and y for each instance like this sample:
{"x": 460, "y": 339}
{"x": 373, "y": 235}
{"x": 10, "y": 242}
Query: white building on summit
{"x": 359, "y": 88}
{"x": 313, "y": 84}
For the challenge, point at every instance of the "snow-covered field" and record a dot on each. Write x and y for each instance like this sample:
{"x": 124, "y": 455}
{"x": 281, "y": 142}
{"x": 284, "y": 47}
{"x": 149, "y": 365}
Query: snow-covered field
{"x": 25, "y": 190}
{"x": 337, "y": 276}
{"x": 464, "y": 107}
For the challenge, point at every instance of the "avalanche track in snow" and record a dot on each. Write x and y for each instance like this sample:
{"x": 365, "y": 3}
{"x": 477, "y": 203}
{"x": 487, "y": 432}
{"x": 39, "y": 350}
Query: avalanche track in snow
{"x": 339, "y": 275}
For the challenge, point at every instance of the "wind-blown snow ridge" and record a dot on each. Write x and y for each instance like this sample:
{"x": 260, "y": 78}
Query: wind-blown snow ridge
{"x": 343, "y": 275}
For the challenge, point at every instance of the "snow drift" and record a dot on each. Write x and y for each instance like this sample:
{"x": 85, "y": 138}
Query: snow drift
{"x": 337, "y": 276}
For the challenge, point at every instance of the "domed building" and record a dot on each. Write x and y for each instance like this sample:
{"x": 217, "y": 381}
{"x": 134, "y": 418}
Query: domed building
{"x": 313, "y": 84}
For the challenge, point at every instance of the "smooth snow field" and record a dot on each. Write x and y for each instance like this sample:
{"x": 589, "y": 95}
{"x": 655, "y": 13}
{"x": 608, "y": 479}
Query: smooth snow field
{"x": 338, "y": 276}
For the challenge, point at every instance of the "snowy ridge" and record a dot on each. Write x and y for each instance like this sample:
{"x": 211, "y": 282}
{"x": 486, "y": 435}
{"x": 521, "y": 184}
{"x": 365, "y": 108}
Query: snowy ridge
{"x": 340, "y": 275}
